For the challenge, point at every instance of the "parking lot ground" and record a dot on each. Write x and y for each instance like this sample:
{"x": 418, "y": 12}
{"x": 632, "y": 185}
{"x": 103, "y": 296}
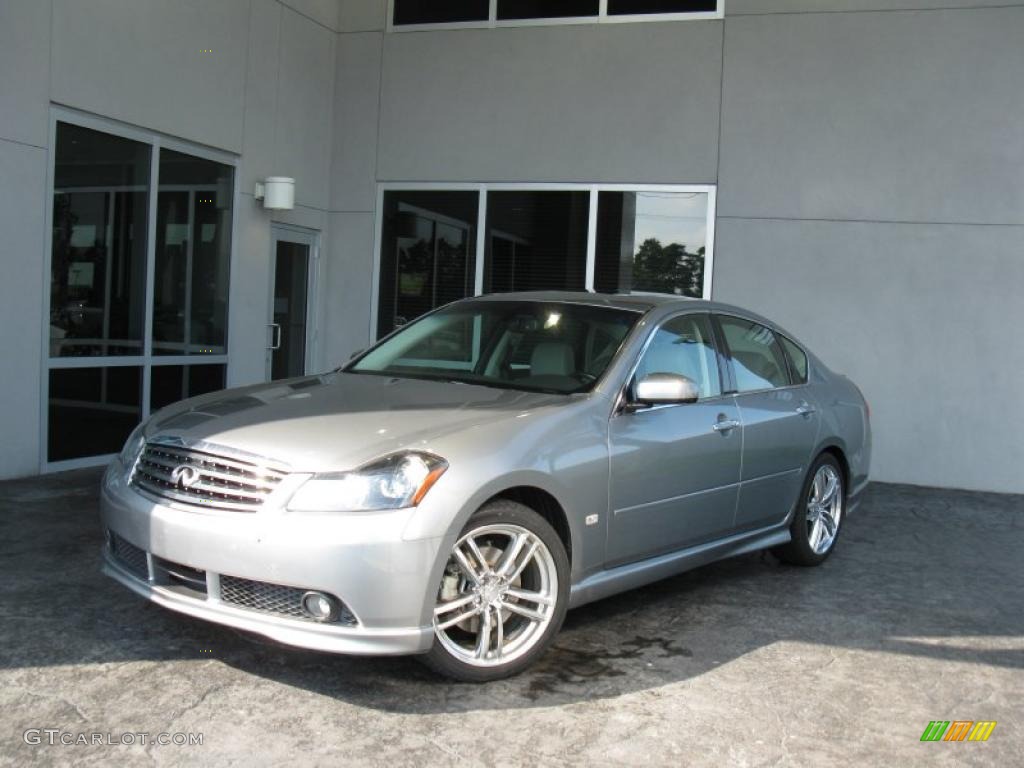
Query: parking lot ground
{"x": 918, "y": 616}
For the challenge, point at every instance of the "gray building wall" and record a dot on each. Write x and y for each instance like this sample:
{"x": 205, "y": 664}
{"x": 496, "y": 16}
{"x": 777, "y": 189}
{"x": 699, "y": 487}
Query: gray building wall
{"x": 868, "y": 157}
{"x": 872, "y": 176}
{"x": 870, "y": 172}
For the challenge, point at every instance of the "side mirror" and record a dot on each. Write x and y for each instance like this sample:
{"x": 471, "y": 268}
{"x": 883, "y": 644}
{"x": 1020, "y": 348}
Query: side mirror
{"x": 665, "y": 389}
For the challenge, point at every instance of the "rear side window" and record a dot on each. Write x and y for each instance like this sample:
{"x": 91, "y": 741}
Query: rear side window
{"x": 683, "y": 346}
{"x": 797, "y": 359}
{"x": 758, "y": 361}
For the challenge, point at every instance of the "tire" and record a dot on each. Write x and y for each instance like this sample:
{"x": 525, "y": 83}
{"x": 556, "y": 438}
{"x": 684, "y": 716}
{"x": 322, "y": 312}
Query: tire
{"x": 519, "y": 597}
{"x": 811, "y": 545}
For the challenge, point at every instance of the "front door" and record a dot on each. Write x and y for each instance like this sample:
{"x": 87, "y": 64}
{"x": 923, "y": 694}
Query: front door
{"x": 675, "y": 469}
{"x": 291, "y": 337}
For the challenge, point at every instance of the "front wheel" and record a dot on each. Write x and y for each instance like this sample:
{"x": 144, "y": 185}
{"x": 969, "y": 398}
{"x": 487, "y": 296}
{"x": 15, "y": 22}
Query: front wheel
{"x": 502, "y": 597}
{"x": 818, "y": 516}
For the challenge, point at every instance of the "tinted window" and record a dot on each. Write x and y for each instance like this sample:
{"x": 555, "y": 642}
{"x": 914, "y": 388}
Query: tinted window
{"x": 797, "y": 359}
{"x": 440, "y": 11}
{"x": 193, "y": 255}
{"x": 171, "y": 383}
{"x": 100, "y": 213}
{"x": 757, "y": 358}
{"x": 684, "y": 346}
{"x": 536, "y": 241}
{"x": 546, "y": 9}
{"x": 427, "y": 255}
{"x": 625, "y": 7}
{"x": 92, "y": 410}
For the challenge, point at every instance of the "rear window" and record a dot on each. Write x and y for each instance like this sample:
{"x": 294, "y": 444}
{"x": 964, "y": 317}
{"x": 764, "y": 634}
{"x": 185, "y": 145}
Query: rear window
{"x": 797, "y": 360}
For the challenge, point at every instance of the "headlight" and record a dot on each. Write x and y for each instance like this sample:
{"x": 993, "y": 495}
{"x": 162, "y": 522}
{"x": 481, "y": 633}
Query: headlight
{"x": 133, "y": 448}
{"x": 394, "y": 482}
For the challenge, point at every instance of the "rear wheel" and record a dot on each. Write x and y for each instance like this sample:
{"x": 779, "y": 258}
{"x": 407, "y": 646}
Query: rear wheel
{"x": 502, "y": 597}
{"x": 819, "y": 514}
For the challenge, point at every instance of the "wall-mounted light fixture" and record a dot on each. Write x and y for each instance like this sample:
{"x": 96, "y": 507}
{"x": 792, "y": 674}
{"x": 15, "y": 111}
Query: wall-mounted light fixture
{"x": 276, "y": 192}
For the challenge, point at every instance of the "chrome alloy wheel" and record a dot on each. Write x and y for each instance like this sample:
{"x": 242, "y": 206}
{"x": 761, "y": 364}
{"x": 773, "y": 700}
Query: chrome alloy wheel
{"x": 824, "y": 509}
{"x": 497, "y": 595}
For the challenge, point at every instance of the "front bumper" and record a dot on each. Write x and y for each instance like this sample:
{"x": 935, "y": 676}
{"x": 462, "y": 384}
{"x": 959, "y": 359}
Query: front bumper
{"x": 362, "y": 559}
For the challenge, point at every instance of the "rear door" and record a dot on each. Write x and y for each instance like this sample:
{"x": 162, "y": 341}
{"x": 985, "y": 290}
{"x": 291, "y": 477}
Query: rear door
{"x": 780, "y": 421}
{"x": 675, "y": 469}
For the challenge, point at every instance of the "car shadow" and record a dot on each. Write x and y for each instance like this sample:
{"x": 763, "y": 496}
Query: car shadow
{"x": 917, "y": 572}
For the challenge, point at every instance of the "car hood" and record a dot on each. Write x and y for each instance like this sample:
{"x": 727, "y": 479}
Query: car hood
{"x": 338, "y": 421}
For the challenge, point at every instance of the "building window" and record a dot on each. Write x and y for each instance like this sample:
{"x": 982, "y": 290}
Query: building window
{"x": 139, "y": 273}
{"x": 98, "y": 270}
{"x": 193, "y": 253}
{"x": 637, "y": 7}
{"x": 569, "y": 237}
{"x": 536, "y": 241}
{"x": 428, "y": 253}
{"x": 417, "y": 14}
{"x": 546, "y": 9}
{"x": 651, "y": 242}
{"x": 434, "y": 12}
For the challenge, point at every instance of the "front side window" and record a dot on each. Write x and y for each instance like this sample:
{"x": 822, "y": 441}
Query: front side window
{"x": 531, "y": 346}
{"x": 758, "y": 361}
{"x": 684, "y": 346}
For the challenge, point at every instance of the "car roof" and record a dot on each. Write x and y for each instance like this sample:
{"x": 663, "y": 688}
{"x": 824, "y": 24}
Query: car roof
{"x": 635, "y": 302}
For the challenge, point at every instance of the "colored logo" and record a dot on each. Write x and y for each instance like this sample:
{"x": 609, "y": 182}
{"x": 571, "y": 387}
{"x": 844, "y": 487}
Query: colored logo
{"x": 958, "y": 730}
{"x": 184, "y": 476}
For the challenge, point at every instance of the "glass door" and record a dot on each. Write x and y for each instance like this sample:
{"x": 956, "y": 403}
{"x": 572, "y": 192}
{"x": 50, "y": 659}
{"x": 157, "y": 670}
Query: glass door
{"x": 291, "y": 326}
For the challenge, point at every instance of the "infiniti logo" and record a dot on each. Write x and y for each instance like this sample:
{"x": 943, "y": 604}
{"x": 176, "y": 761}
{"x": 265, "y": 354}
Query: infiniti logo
{"x": 184, "y": 476}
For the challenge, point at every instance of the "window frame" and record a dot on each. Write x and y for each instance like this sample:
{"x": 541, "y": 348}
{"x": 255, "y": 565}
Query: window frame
{"x": 147, "y": 360}
{"x": 482, "y": 189}
{"x": 727, "y": 351}
{"x": 602, "y": 17}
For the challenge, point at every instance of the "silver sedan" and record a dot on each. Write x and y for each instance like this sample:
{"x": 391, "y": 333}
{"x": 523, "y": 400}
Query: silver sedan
{"x": 455, "y": 489}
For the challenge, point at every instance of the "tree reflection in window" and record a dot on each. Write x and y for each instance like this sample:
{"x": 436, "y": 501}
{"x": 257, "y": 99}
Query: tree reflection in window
{"x": 651, "y": 242}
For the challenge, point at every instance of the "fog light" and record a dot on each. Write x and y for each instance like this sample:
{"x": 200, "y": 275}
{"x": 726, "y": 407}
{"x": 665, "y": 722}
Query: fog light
{"x": 320, "y": 606}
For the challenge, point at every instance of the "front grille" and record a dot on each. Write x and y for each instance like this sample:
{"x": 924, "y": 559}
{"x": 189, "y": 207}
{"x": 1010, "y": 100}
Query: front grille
{"x": 131, "y": 558}
{"x": 271, "y": 598}
{"x": 200, "y": 478}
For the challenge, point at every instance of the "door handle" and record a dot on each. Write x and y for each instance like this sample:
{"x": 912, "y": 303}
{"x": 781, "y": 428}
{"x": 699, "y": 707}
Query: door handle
{"x": 806, "y": 409}
{"x": 725, "y": 425}
{"x": 275, "y": 336}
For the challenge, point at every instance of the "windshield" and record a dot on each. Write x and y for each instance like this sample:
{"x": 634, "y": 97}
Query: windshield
{"x": 527, "y": 345}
